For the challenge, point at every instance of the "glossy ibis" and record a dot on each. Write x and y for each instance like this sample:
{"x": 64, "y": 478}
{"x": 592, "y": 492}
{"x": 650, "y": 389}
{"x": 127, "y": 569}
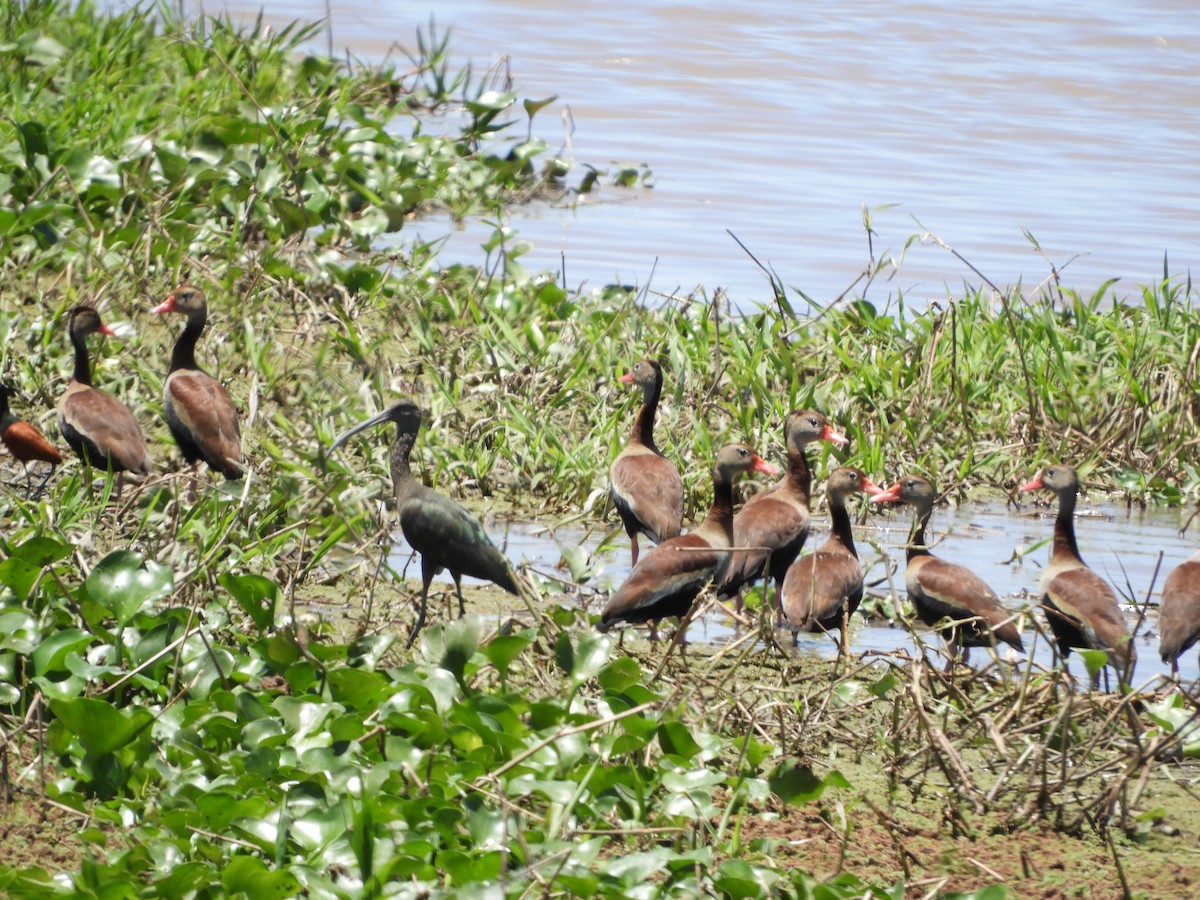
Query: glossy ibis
{"x": 823, "y": 589}
{"x": 667, "y": 580}
{"x": 25, "y": 442}
{"x": 1080, "y": 606}
{"x": 446, "y": 535}
{"x": 945, "y": 592}
{"x": 202, "y": 418}
{"x": 777, "y": 520}
{"x": 97, "y": 426}
{"x": 644, "y": 485}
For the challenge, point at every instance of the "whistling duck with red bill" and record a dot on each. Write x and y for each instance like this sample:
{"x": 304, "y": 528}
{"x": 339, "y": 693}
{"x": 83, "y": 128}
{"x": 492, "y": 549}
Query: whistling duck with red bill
{"x": 823, "y": 589}
{"x": 667, "y": 580}
{"x": 1179, "y": 614}
{"x": 644, "y": 485}
{"x": 97, "y": 426}
{"x": 945, "y": 593}
{"x": 446, "y": 535}
{"x": 199, "y": 412}
{"x": 1080, "y": 606}
{"x": 775, "y": 522}
{"x": 25, "y": 442}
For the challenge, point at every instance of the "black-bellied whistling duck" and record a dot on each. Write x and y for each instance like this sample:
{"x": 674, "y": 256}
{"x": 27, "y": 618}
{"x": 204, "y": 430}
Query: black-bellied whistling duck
{"x": 644, "y": 485}
{"x": 1179, "y": 613}
{"x": 202, "y": 418}
{"x": 667, "y": 580}
{"x": 97, "y": 426}
{"x": 777, "y": 519}
{"x": 1080, "y": 606}
{"x": 942, "y": 590}
{"x": 446, "y": 535}
{"x": 823, "y": 589}
{"x": 25, "y": 442}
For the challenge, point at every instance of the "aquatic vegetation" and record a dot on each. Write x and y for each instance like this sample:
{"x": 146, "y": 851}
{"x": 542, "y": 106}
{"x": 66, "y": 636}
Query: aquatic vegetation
{"x": 214, "y": 690}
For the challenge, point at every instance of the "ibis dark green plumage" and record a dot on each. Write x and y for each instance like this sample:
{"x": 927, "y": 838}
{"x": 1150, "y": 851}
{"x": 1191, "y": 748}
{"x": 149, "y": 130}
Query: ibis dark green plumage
{"x": 446, "y": 535}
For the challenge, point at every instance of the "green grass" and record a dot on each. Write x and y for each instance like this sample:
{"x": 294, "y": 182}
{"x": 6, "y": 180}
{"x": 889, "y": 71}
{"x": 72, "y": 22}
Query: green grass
{"x": 220, "y": 684}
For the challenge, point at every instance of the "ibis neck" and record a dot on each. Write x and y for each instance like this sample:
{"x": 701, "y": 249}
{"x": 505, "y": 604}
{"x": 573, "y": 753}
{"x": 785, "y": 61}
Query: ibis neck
{"x": 184, "y": 354}
{"x": 402, "y": 479}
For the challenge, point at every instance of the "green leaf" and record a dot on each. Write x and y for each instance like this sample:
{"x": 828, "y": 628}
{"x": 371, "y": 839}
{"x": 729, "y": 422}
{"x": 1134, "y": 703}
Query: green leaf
{"x": 1094, "y": 661}
{"x": 124, "y": 582}
{"x": 676, "y": 740}
{"x": 793, "y": 783}
{"x": 255, "y": 594}
{"x": 101, "y": 727}
{"x": 51, "y": 653}
{"x": 503, "y": 649}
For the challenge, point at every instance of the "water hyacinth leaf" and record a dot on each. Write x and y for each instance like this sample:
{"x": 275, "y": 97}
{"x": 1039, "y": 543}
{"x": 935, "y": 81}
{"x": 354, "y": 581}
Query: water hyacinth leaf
{"x": 368, "y": 650}
{"x": 793, "y": 783}
{"x": 676, "y": 740}
{"x": 100, "y": 726}
{"x": 619, "y": 674}
{"x": 42, "y": 551}
{"x": 255, "y": 594}
{"x": 503, "y": 649}
{"x": 19, "y": 631}
{"x": 249, "y": 875}
{"x": 124, "y": 582}
{"x": 583, "y": 660}
{"x": 19, "y": 576}
{"x": 51, "y": 653}
{"x": 737, "y": 878}
{"x": 579, "y": 562}
{"x": 1175, "y": 717}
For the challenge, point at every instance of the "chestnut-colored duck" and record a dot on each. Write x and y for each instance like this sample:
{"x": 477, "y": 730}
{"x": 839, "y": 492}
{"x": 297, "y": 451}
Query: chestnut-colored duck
{"x": 25, "y": 442}
{"x": 777, "y": 519}
{"x": 446, "y": 535}
{"x": 1080, "y": 606}
{"x": 670, "y": 576}
{"x": 97, "y": 426}
{"x": 202, "y": 418}
{"x": 823, "y": 589}
{"x": 942, "y": 590}
{"x": 644, "y": 485}
{"x": 1179, "y": 614}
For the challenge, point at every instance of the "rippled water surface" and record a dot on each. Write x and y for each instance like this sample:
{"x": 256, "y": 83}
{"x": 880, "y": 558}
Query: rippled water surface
{"x": 779, "y": 121}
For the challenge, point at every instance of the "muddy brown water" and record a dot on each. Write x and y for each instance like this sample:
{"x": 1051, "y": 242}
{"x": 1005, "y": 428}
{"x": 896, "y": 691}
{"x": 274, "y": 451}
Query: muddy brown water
{"x": 780, "y": 121}
{"x": 997, "y": 542}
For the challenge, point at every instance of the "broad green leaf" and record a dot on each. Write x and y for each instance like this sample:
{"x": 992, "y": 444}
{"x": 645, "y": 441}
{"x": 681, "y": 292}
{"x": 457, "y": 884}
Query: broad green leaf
{"x": 101, "y": 727}
{"x": 125, "y": 582}
{"x": 50, "y": 653}
{"x": 256, "y": 595}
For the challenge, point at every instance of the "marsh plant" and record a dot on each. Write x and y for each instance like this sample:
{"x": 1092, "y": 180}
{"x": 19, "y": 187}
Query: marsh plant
{"x": 210, "y": 697}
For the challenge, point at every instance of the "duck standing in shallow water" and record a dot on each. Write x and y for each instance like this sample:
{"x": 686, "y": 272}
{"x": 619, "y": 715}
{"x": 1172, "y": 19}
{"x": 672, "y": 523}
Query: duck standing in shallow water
{"x": 1080, "y": 606}
{"x": 667, "y": 580}
{"x": 644, "y": 485}
{"x": 945, "y": 592}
